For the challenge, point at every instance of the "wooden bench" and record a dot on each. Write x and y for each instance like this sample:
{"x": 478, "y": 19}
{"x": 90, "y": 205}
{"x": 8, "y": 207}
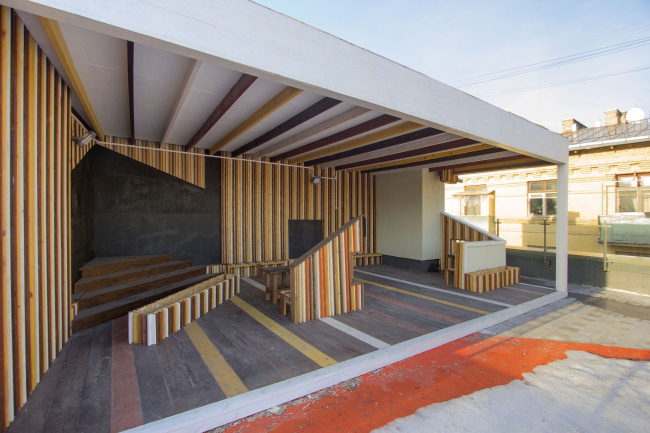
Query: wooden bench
{"x": 272, "y": 291}
{"x": 368, "y": 259}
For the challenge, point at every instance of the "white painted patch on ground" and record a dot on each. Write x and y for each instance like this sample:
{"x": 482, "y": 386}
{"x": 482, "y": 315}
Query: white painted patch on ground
{"x": 584, "y": 392}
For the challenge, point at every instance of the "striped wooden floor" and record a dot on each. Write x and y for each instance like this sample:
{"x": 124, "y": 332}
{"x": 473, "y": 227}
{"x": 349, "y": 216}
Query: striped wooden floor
{"x": 100, "y": 383}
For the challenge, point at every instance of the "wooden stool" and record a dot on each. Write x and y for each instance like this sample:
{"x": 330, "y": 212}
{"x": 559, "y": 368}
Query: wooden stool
{"x": 285, "y": 298}
{"x": 272, "y": 291}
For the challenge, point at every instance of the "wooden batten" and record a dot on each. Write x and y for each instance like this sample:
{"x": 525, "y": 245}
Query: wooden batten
{"x": 35, "y": 214}
{"x": 258, "y": 200}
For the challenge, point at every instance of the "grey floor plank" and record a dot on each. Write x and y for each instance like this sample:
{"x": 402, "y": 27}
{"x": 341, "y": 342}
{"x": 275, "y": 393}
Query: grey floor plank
{"x": 94, "y": 412}
{"x": 246, "y": 360}
{"x": 32, "y": 416}
{"x": 334, "y": 343}
{"x": 284, "y": 357}
{"x": 154, "y": 397}
{"x": 64, "y": 412}
{"x": 189, "y": 381}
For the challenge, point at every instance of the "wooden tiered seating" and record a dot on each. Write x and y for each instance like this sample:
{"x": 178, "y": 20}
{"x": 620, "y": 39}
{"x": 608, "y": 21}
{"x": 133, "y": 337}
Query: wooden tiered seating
{"x": 112, "y": 286}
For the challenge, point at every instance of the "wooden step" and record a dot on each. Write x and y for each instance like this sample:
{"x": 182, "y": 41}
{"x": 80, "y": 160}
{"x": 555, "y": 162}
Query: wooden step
{"x": 110, "y": 294}
{"x": 109, "y": 265}
{"x": 107, "y": 280}
{"x": 112, "y": 310}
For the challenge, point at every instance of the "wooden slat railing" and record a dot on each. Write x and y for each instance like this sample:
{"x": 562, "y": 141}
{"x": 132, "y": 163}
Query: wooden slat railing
{"x": 321, "y": 279}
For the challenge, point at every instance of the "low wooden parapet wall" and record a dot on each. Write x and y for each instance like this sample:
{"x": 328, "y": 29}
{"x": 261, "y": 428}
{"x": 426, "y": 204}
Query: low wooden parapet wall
{"x": 158, "y": 320}
{"x": 467, "y": 248}
{"x": 491, "y": 279}
{"x": 321, "y": 279}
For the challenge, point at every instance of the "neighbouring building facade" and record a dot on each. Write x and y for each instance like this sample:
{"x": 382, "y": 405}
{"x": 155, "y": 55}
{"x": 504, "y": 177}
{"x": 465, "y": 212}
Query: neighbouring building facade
{"x": 609, "y": 184}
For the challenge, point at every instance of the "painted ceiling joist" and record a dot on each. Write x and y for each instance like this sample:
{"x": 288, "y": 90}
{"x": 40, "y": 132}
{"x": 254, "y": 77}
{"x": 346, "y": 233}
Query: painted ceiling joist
{"x": 411, "y": 145}
{"x": 240, "y": 87}
{"x": 480, "y": 155}
{"x": 384, "y": 144}
{"x": 190, "y": 77}
{"x": 430, "y": 157}
{"x": 61, "y": 47}
{"x": 130, "y": 53}
{"x": 359, "y": 129}
{"x": 500, "y": 164}
{"x": 393, "y": 131}
{"x": 340, "y": 119}
{"x": 286, "y": 95}
{"x": 309, "y": 113}
{"x": 451, "y": 145}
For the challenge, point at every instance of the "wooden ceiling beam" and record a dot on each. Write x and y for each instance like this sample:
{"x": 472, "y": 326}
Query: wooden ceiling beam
{"x": 417, "y": 144}
{"x": 500, "y": 164}
{"x": 188, "y": 81}
{"x": 451, "y": 145}
{"x": 61, "y": 47}
{"x": 240, "y": 87}
{"x": 379, "y": 145}
{"x": 392, "y": 131}
{"x": 340, "y": 119}
{"x": 130, "y": 55}
{"x": 479, "y": 153}
{"x": 309, "y": 113}
{"x": 359, "y": 129}
{"x": 286, "y": 95}
{"x": 431, "y": 157}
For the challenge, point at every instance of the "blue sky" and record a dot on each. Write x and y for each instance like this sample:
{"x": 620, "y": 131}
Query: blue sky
{"x": 453, "y": 41}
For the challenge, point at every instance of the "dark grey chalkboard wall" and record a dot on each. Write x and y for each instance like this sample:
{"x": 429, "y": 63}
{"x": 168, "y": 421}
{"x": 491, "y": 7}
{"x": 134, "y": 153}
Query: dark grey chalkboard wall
{"x": 139, "y": 210}
{"x": 303, "y": 235}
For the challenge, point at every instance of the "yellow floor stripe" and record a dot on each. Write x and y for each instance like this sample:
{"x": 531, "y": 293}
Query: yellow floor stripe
{"x": 298, "y": 343}
{"x": 523, "y": 290}
{"x": 440, "y": 301}
{"x": 228, "y": 381}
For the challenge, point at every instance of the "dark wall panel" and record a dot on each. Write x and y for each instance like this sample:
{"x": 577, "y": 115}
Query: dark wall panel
{"x": 82, "y": 212}
{"x": 141, "y": 210}
{"x": 303, "y": 236}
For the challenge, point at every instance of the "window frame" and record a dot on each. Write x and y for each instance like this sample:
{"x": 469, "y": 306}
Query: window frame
{"x": 639, "y": 190}
{"x": 479, "y": 187}
{"x": 543, "y": 193}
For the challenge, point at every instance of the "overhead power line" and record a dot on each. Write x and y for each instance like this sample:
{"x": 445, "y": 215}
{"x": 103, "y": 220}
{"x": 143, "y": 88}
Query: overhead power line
{"x": 552, "y": 63}
{"x": 563, "y": 83}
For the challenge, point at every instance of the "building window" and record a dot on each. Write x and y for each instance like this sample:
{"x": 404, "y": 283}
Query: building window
{"x": 633, "y": 192}
{"x": 475, "y": 187}
{"x": 542, "y": 198}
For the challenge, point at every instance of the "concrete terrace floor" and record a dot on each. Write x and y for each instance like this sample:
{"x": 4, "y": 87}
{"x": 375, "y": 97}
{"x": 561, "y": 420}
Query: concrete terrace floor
{"x": 593, "y": 355}
{"x": 100, "y": 383}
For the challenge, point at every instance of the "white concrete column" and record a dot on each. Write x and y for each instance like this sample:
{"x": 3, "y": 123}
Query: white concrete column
{"x": 562, "y": 229}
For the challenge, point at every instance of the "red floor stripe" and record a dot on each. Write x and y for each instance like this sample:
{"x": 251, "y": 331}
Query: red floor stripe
{"x": 447, "y": 372}
{"x": 414, "y": 308}
{"x": 126, "y": 411}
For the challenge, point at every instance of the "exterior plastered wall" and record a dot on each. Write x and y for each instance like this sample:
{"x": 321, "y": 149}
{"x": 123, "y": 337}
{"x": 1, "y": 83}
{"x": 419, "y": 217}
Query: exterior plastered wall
{"x": 592, "y": 176}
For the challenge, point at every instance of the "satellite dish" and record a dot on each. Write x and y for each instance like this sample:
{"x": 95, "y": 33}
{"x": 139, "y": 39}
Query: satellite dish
{"x": 634, "y": 114}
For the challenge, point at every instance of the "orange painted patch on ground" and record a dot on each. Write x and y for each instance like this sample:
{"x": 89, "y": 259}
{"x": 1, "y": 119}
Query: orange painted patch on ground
{"x": 459, "y": 368}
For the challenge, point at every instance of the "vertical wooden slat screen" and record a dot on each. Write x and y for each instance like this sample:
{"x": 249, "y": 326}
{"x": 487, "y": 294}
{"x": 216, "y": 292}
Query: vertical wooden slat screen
{"x": 454, "y": 230}
{"x": 258, "y": 200}
{"x": 321, "y": 280}
{"x": 183, "y": 166}
{"x": 35, "y": 215}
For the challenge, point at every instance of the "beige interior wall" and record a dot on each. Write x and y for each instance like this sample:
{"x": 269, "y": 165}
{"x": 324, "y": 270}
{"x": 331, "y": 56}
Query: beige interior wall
{"x": 408, "y": 214}
{"x": 433, "y": 202}
{"x": 399, "y": 214}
